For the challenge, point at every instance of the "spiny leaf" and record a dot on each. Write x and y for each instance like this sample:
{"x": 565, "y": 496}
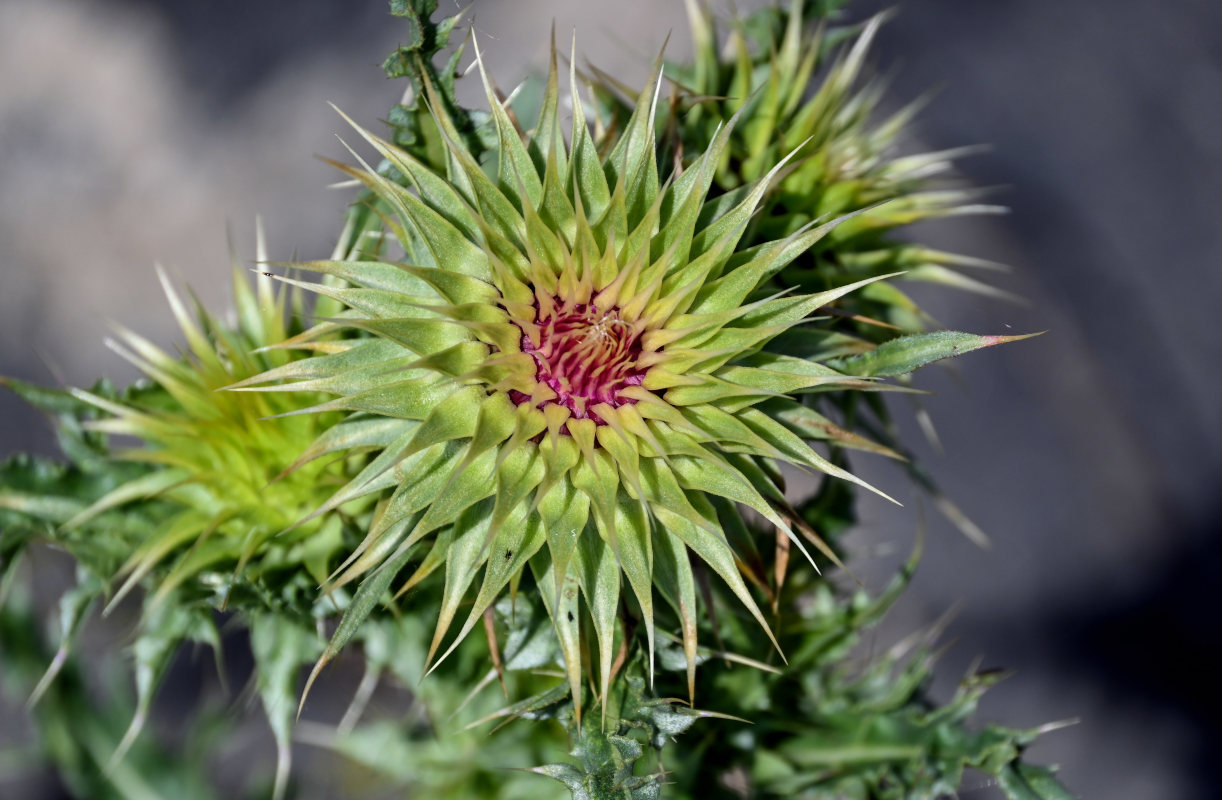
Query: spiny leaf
{"x": 909, "y": 353}
{"x": 280, "y": 650}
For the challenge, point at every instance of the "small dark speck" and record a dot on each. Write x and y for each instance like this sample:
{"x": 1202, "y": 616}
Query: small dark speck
{"x": 268, "y": 274}
{"x": 508, "y": 554}
{"x": 570, "y": 616}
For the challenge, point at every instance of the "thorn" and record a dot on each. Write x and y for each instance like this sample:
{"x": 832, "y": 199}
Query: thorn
{"x": 494, "y": 648}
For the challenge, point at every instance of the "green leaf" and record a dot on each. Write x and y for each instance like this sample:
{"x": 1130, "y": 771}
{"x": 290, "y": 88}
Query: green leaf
{"x": 281, "y": 649}
{"x": 1028, "y": 782}
{"x": 599, "y": 574}
{"x": 367, "y": 597}
{"x": 465, "y": 555}
{"x": 908, "y": 353}
{"x": 74, "y": 608}
{"x": 673, "y": 573}
{"x": 164, "y": 627}
{"x": 810, "y": 424}
{"x": 565, "y": 612}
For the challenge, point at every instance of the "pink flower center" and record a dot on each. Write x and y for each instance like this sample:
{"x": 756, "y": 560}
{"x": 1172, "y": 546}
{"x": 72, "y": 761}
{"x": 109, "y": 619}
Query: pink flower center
{"x": 586, "y": 356}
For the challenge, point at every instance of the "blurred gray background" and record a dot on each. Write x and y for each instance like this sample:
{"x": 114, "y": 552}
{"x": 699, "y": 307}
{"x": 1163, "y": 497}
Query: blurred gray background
{"x": 135, "y": 132}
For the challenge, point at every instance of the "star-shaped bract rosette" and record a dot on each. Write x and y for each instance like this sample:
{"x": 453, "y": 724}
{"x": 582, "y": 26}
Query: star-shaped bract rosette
{"x": 564, "y": 372}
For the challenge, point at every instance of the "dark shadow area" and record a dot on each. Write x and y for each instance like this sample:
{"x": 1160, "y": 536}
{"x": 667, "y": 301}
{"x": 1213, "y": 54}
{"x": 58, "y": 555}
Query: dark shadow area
{"x": 1160, "y": 647}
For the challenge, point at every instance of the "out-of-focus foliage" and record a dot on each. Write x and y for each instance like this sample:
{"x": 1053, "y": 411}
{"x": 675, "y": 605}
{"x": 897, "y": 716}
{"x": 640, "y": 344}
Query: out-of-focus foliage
{"x": 207, "y": 513}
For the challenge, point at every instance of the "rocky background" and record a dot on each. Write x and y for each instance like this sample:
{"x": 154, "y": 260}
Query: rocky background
{"x": 135, "y": 132}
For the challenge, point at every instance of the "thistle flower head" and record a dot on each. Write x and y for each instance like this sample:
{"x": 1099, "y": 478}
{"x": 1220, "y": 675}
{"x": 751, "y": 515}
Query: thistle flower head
{"x": 202, "y": 515}
{"x": 798, "y": 86}
{"x": 565, "y": 372}
{"x": 219, "y": 468}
